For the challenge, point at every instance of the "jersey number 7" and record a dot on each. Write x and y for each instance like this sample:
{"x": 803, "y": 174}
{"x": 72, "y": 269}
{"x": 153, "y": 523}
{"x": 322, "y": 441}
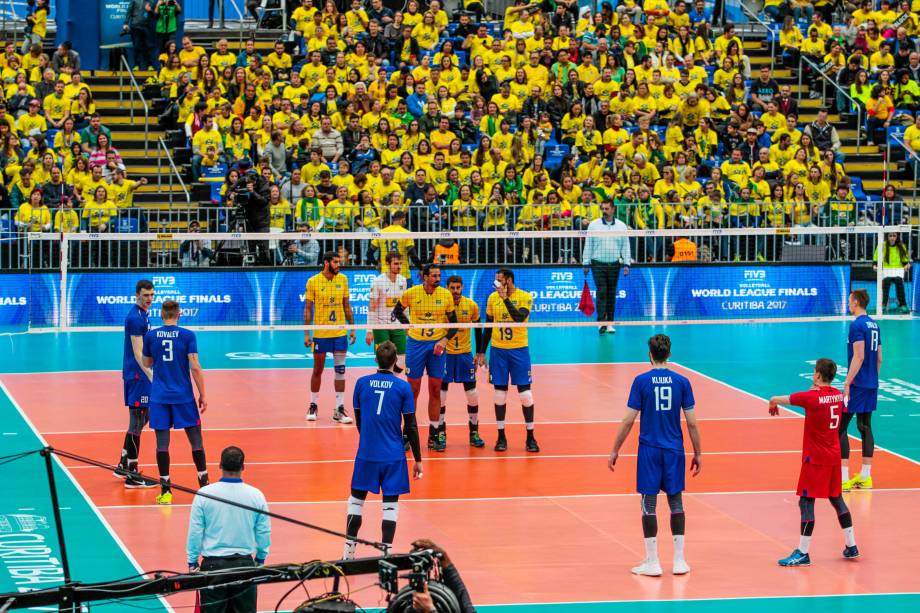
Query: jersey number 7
{"x": 381, "y": 394}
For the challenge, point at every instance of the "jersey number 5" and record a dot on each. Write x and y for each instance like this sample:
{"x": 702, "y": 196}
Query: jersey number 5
{"x": 835, "y": 416}
{"x": 167, "y": 351}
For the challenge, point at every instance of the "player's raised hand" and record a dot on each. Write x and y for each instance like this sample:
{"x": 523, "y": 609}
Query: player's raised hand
{"x": 695, "y": 465}
{"x": 612, "y": 460}
{"x": 417, "y": 470}
{"x": 352, "y": 337}
{"x": 202, "y": 404}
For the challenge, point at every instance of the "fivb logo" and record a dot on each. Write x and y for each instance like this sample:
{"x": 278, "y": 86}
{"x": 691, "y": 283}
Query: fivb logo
{"x": 755, "y": 275}
{"x": 164, "y": 281}
{"x": 558, "y": 277}
{"x": 364, "y": 278}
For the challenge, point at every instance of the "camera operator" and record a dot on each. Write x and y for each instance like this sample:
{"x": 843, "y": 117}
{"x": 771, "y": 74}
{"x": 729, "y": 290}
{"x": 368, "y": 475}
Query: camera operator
{"x": 194, "y": 253}
{"x": 301, "y": 252}
{"x": 450, "y": 577}
{"x": 251, "y": 194}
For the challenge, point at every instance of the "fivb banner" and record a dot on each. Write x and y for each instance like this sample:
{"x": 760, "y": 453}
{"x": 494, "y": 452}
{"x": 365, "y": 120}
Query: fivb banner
{"x": 212, "y": 298}
{"x": 28, "y": 299}
{"x": 732, "y": 292}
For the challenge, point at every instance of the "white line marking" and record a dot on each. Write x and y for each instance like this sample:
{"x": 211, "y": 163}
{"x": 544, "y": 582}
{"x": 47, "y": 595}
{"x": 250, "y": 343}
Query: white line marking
{"x": 80, "y": 490}
{"x": 307, "y": 427}
{"x": 472, "y": 458}
{"x": 886, "y": 415}
{"x": 515, "y": 498}
{"x": 738, "y": 389}
{"x": 677, "y": 600}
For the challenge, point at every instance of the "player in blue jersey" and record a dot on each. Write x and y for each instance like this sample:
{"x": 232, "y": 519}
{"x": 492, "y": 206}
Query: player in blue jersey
{"x": 860, "y": 389}
{"x": 660, "y": 394}
{"x": 384, "y": 407}
{"x": 136, "y": 378}
{"x": 173, "y": 353}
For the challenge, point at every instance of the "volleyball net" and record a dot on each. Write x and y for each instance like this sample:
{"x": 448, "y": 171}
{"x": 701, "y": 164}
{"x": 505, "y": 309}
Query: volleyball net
{"x": 86, "y": 281}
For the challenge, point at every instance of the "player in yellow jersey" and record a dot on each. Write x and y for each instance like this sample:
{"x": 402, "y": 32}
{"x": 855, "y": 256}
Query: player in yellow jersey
{"x": 405, "y": 247}
{"x": 326, "y": 302}
{"x": 510, "y": 356}
{"x": 461, "y": 367}
{"x": 428, "y": 303}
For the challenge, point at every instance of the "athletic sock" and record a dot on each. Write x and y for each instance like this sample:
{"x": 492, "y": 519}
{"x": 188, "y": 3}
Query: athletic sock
{"x": 314, "y": 398}
{"x": 804, "y": 543}
{"x": 528, "y": 419}
{"x": 198, "y": 458}
{"x": 163, "y": 467}
{"x": 432, "y": 431}
{"x": 473, "y": 413}
{"x": 845, "y": 473}
{"x": 651, "y": 549}
{"x": 442, "y": 417}
{"x": 164, "y": 484}
{"x": 500, "y": 410}
{"x": 339, "y": 399}
{"x": 849, "y": 537}
{"x": 865, "y": 471}
{"x": 678, "y": 546}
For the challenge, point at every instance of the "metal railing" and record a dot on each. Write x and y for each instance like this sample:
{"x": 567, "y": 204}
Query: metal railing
{"x": 239, "y": 14}
{"x": 912, "y": 159}
{"x": 719, "y": 238}
{"x": 134, "y": 90}
{"x": 174, "y": 173}
{"x": 825, "y": 79}
{"x": 767, "y": 30}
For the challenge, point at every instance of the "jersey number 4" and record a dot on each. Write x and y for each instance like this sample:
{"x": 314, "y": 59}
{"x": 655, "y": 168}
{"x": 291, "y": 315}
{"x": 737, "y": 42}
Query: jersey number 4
{"x": 662, "y": 398}
{"x": 167, "y": 351}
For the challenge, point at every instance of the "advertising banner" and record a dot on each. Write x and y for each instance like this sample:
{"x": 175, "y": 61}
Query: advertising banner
{"x": 29, "y": 300}
{"x": 915, "y": 283}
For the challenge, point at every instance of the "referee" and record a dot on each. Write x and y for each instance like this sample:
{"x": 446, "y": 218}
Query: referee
{"x": 604, "y": 255}
{"x": 225, "y": 536}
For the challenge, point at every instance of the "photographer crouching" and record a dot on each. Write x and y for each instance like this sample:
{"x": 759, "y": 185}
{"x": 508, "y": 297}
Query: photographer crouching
{"x": 250, "y": 196}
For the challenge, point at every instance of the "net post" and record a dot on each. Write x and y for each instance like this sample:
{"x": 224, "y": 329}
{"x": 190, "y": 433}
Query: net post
{"x": 56, "y": 507}
{"x": 63, "y": 323}
{"x": 879, "y": 270}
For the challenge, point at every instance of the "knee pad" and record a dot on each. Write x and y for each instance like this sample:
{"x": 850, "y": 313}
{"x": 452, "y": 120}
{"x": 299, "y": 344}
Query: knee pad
{"x": 676, "y": 502}
{"x": 162, "y": 440}
{"x": 472, "y": 397}
{"x": 807, "y": 508}
{"x": 390, "y": 511}
{"x": 839, "y": 505}
{"x": 501, "y": 395}
{"x": 649, "y": 504}
{"x": 355, "y": 505}
{"x": 338, "y": 362}
{"x": 863, "y": 423}
{"x": 194, "y": 437}
{"x": 526, "y": 398}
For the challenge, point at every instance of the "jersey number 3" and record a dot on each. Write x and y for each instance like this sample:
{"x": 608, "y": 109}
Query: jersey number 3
{"x": 167, "y": 351}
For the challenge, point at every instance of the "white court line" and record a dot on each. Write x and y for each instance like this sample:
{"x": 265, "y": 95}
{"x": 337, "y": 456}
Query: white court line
{"x": 308, "y": 427}
{"x": 515, "y": 498}
{"x": 579, "y": 456}
{"x": 747, "y": 393}
{"x": 81, "y": 491}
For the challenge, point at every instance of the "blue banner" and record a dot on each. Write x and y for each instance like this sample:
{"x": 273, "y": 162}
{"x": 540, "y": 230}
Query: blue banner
{"x": 276, "y": 297}
{"x": 731, "y": 292}
{"x": 111, "y": 19}
{"x": 915, "y": 283}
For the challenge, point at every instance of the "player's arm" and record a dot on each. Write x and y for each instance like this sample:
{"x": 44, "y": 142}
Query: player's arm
{"x": 147, "y": 354}
{"x": 307, "y": 321}
{"x": 399, "y": 313}
{"x": 878, "y": 359}
{"x": 626, "y": 425}
{"x": 356, "y": 406}
{"x": 776, "y": 401}
{"x": 859, "y": 355}
{"x": 451, "y": 332}
{"x": 350, "y": 318}
{"x": 198, "y": 376}
{"x": 373, "y": 304}
{"x": 483, "y": 340}
{"x": 137, "y": 345}
{"x": 517, "y": 314}
{"x": 694, "y": 431}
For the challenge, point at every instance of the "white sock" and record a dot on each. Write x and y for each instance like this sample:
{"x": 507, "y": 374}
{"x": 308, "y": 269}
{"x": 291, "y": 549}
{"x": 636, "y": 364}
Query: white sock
{"x": 678, "y": 546}
{"x": 849, "y": 537}
{"x": 845, "y": 473}
{"x": 349, "y": 552}
{"x": 804, "y": 543}
{"x": 500, "y": 424}
{"x": 474, "y": 418}
{"x": 314, "y": 397}
{"x": 202, "y": 473}
{"x": 865, "y": 471}
{"x": 530, "y": 426}
{"x": 441, "y": 419}
{"x": 339, "y": 399}
{"x": 651, "y": 549}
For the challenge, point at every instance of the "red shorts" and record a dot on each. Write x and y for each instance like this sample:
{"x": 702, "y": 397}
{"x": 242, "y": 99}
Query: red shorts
{"x": 819, "y": 480}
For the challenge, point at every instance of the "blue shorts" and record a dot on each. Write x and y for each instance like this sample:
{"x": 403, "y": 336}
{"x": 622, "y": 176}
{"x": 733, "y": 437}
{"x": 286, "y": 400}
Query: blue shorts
{"x": 137, "y": 392}
{"x": 336, "y": 344}
{"x": 862, "y": 400}
{"x": 391, "y": 477}
{"x": 509, "y": 363}
{"x": 659, "y": 469}
{"x": 420, "y": 358}
{"x": 460, "y": 368}
{"x": 178, "y": 416}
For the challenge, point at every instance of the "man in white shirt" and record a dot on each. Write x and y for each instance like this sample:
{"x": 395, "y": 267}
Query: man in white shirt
{"x": 386, "y": 289}
{"x": 604, "y": 255}
{"x": 226, "y": 536}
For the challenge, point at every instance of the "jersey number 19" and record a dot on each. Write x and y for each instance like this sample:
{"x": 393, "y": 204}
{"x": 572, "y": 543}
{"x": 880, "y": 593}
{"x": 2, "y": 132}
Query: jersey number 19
{"x": 662, "y": 398}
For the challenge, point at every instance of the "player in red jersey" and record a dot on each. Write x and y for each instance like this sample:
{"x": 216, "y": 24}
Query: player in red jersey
{"x": 820, "y": 474}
